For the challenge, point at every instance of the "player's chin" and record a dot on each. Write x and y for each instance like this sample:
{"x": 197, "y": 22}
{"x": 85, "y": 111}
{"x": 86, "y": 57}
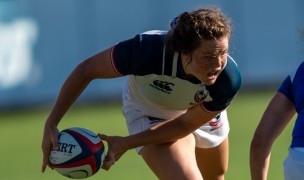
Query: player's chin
{"x": 209, "y": 81}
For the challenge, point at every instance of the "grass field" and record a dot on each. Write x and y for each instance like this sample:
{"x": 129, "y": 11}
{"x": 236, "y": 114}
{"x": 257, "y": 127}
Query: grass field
{"x": 21, "y": 134}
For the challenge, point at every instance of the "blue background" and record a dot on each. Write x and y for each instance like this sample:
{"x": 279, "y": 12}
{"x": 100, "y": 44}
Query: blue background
{"x": 42, "y": 41}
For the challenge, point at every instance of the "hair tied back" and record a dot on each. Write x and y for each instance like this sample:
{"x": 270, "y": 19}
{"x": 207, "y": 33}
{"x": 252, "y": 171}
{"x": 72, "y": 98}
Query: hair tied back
{"x": 173, "y": 22}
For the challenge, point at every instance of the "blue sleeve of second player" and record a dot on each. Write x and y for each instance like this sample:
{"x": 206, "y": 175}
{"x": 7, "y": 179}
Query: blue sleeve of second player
{"x": 285, "y": 87}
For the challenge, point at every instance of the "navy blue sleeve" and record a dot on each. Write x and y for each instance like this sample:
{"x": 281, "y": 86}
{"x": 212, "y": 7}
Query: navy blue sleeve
{"x": 139, "y": 56}
{"x": 225, "y": 88}
{"x": 293, "y": 87}
{"x": 285, "y": 88}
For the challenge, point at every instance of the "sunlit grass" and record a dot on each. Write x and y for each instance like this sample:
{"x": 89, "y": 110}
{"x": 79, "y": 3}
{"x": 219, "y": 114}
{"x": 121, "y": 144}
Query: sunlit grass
{"x": 21, "y": 135}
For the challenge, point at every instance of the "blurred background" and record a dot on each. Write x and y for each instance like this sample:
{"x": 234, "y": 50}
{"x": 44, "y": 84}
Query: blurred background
{"x": 42, "y": 41}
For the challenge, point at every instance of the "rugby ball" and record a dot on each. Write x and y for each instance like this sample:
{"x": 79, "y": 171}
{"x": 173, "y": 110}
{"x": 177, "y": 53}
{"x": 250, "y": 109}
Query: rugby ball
{"x": 80, "y": 155}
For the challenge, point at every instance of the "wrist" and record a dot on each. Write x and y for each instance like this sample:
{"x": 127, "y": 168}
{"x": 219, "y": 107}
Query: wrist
{"x": 50, "y": 123}
{"x": 131, "y": 142}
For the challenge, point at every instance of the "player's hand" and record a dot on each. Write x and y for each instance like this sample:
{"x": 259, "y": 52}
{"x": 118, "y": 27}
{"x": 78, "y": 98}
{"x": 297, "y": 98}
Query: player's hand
{"x": 116, "y": 148}
{"x": 50, "y": 138}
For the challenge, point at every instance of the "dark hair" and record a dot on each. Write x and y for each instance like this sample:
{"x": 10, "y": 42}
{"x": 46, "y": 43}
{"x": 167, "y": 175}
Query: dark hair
{"x": 190, "y": 28}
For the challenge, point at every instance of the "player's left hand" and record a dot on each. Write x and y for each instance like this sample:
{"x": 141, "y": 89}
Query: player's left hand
{"x": 116, "y": 148}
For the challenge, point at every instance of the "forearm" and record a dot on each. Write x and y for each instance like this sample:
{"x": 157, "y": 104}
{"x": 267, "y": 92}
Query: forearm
{"x": 69, "y": 92}
{"x": 171, "y": 130}
{"x": 259, "y": 163}
{"x": 275, "y": 118}
{"x": 260, "y": 148}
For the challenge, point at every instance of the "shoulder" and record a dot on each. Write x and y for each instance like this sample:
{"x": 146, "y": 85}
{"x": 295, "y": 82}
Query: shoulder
{"x": 138, "y": 54}
{"x": 225, "y": 88}
{"x": 296, "y": 77}
{"x": 230, "y": 77}
{"x": 145, "y": 40}
{"x": 153, "y": 37}
{"x": 296, "y": 74}
{"x": 150, "y": 38}
{"x": 292, "y": 86}
{"x": 299, "y": 71}
{"x": 151, "y": 42}
{"x": 153, "y": 34}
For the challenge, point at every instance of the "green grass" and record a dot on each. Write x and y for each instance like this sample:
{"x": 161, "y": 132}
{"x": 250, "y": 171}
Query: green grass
{"x": 21, "y": 135}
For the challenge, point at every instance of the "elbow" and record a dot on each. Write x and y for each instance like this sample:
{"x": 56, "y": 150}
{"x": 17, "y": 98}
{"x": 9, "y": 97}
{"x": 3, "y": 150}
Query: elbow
{"x": 260, "y": 145}
{"x": 257, "y": 141}
{"x": 256, "y": 145}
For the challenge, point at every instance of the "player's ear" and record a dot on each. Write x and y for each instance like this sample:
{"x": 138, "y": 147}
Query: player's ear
{"x": 186, "y": 58}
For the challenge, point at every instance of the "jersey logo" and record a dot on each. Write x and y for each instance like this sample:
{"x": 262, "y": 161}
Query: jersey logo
{"x": 163, "y": 86}
{"x": 202, "y": 95}
{"x": 215, "y": 120}
{"x": 215, "y": 123}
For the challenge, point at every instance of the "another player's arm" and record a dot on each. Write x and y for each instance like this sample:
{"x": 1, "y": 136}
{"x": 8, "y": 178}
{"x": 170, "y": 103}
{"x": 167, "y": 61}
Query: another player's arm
{"x": 275, "y": 118}
{"x": 97, "y": 66}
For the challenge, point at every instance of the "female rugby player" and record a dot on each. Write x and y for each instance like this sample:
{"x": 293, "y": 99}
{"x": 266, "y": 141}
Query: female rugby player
{"x": 179, "y": 84}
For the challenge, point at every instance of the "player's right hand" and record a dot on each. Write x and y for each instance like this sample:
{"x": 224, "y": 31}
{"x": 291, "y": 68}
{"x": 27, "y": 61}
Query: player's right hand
{"x": 50, "y": 138}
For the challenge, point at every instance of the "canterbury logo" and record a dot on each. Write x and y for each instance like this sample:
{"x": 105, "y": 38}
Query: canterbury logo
{"x": 163, "y": 86}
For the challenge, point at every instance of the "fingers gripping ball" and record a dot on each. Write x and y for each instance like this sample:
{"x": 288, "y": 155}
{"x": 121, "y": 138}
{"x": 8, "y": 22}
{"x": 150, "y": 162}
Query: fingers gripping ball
{"x": 80, "y": 155}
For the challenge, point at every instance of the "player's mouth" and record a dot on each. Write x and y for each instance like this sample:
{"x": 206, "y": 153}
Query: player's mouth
{"x": 212, "y": 75}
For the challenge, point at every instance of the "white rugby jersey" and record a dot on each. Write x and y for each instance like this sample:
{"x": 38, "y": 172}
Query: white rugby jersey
{"x": 156, "y": 75}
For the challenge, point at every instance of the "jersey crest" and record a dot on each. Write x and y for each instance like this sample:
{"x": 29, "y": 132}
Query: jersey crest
{"x": 202, "y": 95}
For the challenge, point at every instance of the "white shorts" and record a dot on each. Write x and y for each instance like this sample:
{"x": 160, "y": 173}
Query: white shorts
{"x": 139, "y": 118}
{"x": 294, "y": 164}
